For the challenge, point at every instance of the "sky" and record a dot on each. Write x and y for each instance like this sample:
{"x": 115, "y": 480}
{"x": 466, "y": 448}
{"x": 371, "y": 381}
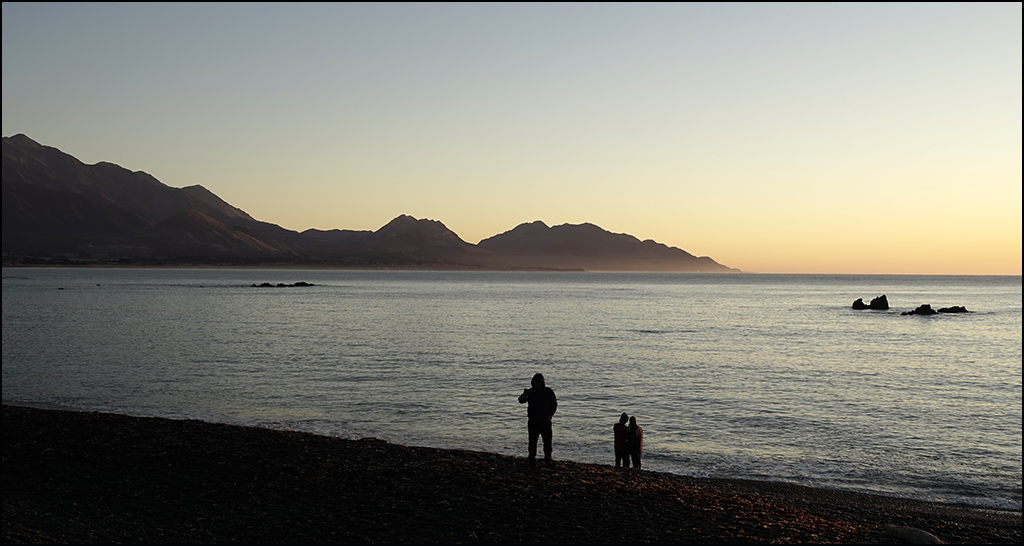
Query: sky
{"x": 774, "y": 138}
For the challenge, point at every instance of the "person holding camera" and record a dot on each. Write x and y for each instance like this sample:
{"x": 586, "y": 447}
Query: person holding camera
{"x": 542, "y": 406}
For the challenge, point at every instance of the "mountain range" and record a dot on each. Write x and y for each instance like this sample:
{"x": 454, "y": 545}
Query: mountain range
{"x": 57, "y": 209}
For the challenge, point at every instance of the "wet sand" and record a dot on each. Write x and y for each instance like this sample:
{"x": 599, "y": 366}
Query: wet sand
{"x": 92, "y": 477}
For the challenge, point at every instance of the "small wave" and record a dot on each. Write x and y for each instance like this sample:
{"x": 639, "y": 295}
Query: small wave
{"x": 648, "y": 331}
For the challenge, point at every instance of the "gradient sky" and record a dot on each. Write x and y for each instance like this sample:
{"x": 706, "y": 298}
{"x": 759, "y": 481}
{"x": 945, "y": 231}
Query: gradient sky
{"x": 786, "y": 138}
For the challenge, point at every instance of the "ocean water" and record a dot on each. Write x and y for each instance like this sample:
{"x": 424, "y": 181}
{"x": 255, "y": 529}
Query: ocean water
{"x": 767, "y": 377}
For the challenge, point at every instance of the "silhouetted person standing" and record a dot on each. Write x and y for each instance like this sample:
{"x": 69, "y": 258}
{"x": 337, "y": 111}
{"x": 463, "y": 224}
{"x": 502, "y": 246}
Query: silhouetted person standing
{"x": 621, "y": 443}
{"x": 542, "y": 407}
{"x": 636, "y": 442}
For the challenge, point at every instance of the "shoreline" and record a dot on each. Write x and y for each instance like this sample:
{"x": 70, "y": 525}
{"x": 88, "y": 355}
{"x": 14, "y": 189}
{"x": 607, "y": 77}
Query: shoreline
{"x": 95, "y": 477}
{"x": 301, "y": 267}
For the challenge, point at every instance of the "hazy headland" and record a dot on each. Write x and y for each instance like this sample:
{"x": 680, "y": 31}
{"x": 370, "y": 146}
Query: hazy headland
{"x": 60, "y": 211}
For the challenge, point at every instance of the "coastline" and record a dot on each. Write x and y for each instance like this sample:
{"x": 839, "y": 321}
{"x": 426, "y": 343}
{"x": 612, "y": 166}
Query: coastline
{"x": 94, "y": 477}
{"x": 330, "y": 266}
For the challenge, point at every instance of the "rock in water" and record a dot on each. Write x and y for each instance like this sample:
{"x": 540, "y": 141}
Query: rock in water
{"x": 881, "y": 303}
{"x": 925, "y": 309}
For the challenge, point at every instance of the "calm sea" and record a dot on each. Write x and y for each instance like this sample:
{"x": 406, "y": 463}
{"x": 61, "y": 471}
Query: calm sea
{"x": 768, "y": 377}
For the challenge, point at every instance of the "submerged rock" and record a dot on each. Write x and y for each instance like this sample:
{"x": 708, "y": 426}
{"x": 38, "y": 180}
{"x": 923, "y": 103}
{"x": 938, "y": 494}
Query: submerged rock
{"x": 954, "y": 309}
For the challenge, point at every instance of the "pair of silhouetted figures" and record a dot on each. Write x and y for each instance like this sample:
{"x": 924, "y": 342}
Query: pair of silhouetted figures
{"x": 629, "y": 442}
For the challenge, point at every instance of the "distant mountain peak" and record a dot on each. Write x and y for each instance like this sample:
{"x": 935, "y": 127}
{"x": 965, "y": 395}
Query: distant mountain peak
{"x": 405, "y": 221}
{"x": 418, "y": 231}
{"x": 21, "y": 139}
{"x": 208, "y": 198}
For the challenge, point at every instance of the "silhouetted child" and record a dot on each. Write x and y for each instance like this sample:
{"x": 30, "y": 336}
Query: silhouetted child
{"x": 635, "y": 442}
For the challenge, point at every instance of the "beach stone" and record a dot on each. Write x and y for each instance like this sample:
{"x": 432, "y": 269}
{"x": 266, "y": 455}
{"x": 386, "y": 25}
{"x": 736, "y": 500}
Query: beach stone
{"x": 909, "y": 535}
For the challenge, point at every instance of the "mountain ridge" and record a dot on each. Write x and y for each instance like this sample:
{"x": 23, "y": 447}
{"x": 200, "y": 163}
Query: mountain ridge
{"x": 57, "y": 209}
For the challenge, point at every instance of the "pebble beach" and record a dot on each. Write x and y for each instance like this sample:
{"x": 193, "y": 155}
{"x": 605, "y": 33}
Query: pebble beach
{"x": 81, "y": 477}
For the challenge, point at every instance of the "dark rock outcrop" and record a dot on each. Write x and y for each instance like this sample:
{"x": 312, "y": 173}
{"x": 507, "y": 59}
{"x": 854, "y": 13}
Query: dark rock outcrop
{"x": 881, "y": 303}
{"x": 925, "y": 309}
